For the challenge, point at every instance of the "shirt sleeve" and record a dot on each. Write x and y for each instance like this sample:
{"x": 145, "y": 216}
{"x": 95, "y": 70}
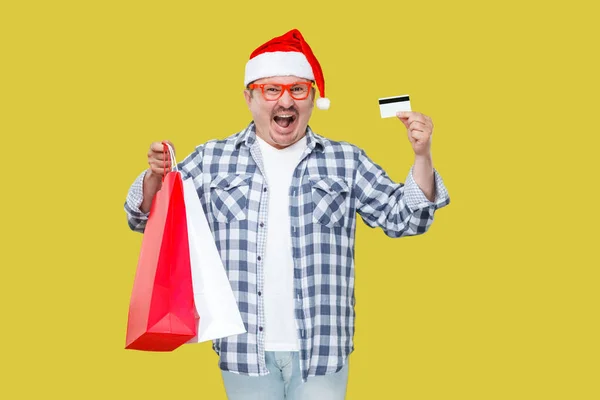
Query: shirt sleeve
{"x": 190, "y": 167}
{"x": 136, "y": 219}
{"x": 400, "y": 209}
{"x": 416, "y": 199}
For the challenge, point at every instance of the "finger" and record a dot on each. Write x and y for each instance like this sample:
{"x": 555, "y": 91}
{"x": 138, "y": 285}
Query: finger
{"x": 428, "y": 119}
{"x": 428, "y": 122}
{"x": 157, "y": 171}
{"x": 417, "y": 124}
{"x": 417, "y": 128}
{"x": 419, "y": 136}
{"x": 160, "y": 170}
{"x": 157, "y": 151}
{"x": 158, "y": 157}
{"x": 411, "y": 132}
{"x": 409, "y": 114}
{"x": 414, "y": 116}
{"x": 155, "y": 155}
{"x": 158, "y": 147}
{"x": 405, "y": 114}
{"x": 418, "y": 117}
{"x": 403, "y": 119}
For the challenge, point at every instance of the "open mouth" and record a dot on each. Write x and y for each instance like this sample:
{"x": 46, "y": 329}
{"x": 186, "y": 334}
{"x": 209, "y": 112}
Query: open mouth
{"x": 284, "y": 120}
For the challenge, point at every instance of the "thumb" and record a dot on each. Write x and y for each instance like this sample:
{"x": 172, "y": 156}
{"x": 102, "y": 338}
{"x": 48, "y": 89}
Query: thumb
{"x": 403, "y": 117}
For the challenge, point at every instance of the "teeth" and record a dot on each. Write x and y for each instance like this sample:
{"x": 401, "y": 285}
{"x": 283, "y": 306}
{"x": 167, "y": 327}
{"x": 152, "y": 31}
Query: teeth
{"x": 284, "y": 116}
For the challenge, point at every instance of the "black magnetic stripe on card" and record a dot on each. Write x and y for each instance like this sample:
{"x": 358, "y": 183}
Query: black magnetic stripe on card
{"x": 394, "y": 100}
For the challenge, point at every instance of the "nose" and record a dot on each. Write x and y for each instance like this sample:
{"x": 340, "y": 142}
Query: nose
{"x": 286, "y": 99}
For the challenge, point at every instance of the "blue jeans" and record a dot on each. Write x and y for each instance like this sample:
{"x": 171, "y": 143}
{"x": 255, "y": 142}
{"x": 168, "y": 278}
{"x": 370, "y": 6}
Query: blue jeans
{"x": 285, "y": 382}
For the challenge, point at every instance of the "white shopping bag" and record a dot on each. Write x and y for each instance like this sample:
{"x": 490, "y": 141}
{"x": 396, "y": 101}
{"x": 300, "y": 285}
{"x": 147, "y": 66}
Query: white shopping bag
{"x": 219, "y": 315}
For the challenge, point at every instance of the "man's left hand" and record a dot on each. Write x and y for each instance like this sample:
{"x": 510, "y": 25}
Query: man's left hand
{"x": 419, "y": 129}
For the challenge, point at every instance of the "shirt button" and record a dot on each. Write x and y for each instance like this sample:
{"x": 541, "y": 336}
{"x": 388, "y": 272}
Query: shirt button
{"x": 265, "y": 189}
{"x": 260, "y": 328}
{"x": 259, "y": 293}
{"x": 262, "y": 224}
{"x": 259, "y": 258}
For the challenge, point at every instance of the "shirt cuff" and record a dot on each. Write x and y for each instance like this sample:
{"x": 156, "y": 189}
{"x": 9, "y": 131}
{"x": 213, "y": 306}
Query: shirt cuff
{"x": 135, "y": 197}
{"x": 416, "y": 199}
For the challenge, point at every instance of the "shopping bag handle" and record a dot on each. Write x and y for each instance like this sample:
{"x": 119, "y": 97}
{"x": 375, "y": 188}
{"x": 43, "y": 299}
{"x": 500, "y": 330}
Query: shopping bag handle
{"x": 168, "y": 148}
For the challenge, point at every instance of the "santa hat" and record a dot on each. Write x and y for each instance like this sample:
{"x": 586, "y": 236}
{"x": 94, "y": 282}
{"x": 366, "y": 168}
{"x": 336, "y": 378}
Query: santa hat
{"x": 287, "y": 55}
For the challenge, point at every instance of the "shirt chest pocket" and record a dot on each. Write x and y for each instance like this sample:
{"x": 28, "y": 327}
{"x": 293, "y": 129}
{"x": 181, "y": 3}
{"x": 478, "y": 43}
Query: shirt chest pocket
{"x": 329, "y": 196}
{"x": 229, "y": 197}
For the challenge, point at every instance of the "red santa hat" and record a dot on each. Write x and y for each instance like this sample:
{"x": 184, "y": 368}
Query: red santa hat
{"x": 287, "y": 55}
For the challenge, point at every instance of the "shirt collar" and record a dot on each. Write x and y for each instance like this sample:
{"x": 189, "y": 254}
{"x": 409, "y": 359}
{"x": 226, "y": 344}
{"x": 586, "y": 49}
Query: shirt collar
{"x": 248, "y": 137}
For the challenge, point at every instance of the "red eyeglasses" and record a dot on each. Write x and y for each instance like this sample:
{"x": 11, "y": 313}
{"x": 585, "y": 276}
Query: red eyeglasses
{"x": 273, "y": 91}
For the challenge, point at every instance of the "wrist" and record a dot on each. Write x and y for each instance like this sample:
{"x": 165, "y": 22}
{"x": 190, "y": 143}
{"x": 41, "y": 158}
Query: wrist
{"x": 152, "y": 182}
{"x": 424, "y": 160}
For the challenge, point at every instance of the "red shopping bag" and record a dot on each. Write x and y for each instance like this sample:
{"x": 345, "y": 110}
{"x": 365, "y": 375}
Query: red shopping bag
{"x": 162, "y": 313}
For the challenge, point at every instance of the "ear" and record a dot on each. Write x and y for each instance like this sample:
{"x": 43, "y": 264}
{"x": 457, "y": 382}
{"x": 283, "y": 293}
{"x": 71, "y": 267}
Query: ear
{"x": 248, "y": 97}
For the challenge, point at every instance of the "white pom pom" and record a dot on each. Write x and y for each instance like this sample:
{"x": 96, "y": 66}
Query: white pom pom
{"x": 323, "y": 103}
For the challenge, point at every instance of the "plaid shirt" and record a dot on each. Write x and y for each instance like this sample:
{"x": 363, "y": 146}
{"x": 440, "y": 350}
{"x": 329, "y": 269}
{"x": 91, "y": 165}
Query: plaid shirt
{"x": 331, "y": 184}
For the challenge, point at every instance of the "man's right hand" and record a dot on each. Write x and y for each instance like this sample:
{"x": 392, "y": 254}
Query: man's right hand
{"x": 157, "y": 161}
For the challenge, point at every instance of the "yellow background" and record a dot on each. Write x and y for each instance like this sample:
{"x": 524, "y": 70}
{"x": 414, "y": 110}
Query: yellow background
{"x": 499, "y": 300}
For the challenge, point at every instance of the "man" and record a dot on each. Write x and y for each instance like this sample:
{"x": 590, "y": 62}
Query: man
{"x": 282, "y": 203}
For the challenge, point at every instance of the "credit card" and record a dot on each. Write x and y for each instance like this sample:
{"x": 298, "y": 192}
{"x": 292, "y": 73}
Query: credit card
{"x": 389, "y": 106}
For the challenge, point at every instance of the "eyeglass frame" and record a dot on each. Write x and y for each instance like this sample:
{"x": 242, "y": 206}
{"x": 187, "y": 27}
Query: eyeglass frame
{"x": 284, "y": 88}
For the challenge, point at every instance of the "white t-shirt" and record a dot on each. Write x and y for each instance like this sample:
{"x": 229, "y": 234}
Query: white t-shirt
{"x": 281, "y": 333}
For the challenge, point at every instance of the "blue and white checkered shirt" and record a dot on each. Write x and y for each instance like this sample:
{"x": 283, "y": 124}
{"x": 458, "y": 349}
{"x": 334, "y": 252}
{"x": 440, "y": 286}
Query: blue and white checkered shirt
{"x": 331, "y": 184}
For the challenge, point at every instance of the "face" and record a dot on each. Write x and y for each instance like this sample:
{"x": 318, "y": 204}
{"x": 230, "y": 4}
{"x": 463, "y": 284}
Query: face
{"x": 280, "y": 122}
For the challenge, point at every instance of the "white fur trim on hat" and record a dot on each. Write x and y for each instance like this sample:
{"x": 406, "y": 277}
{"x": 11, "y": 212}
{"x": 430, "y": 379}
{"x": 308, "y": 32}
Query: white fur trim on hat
{"x": 323, "y": 103}
{"x": 278, "y": 63}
